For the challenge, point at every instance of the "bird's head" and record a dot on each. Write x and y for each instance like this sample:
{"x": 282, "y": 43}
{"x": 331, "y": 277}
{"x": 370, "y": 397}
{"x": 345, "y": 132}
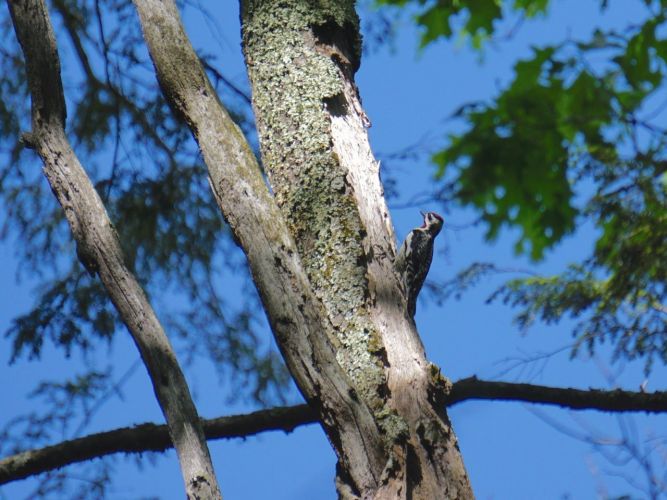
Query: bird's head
{"x": 432, "y": 222}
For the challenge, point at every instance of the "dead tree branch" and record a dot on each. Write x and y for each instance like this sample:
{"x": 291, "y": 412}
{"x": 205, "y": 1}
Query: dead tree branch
{"x": 616, "y": 400}
{"x": 98, "y": 247}
{"x": 150, "y": 437}
{"x": 145, "y": 438}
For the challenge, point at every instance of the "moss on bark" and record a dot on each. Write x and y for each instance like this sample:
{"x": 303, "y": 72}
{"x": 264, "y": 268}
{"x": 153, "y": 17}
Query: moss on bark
{"x": 297, "y": 53}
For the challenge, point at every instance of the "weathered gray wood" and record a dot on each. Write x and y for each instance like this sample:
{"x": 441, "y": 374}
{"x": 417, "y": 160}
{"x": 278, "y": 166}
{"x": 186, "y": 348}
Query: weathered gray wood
{"x": 98, "y": 246}
{"x": 297, "y": 317}
{"x": 301, "y": 58}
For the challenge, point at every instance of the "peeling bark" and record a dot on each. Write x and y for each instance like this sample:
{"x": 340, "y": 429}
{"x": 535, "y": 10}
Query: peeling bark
{"x": 299, "y": 323}
{"x": 301, "y": 57}
{"x": 320, "y": 252}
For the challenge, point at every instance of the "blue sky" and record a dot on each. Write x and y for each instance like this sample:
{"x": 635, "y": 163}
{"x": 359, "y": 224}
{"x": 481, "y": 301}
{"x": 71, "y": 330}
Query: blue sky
{"x": 509, "y": 449}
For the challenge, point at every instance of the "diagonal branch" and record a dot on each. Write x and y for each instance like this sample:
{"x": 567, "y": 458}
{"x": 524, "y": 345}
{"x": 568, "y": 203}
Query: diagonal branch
{"x": 98, "y": 247}
{"x": 146, "y": 437}
{"x": 296, "y": 315}
{"x": 151, "y": 437}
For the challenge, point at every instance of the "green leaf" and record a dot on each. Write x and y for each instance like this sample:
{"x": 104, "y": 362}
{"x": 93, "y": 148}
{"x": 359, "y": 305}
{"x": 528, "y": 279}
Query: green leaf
{"x": 512, "y": 163}
{"x": 636, "y": 63}
{"x": 436, "y": 24}
{"x": 531, "y": 7}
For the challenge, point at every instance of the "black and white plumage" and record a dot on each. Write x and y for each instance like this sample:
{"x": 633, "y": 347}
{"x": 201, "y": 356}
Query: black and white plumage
{"x": 414, "y": 257}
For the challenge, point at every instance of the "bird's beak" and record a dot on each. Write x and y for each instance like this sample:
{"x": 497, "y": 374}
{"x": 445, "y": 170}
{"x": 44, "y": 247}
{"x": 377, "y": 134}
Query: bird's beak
{"x": 423, "y": 214}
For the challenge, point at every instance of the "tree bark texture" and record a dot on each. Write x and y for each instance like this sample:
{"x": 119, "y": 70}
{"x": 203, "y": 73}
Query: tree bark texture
{"x": 320, "y": 247}
{"x": 321, "y": 319}
{"x": 296, "y": 315}
{"x": 98, "y": 246}
{"x": 301, "y": 58}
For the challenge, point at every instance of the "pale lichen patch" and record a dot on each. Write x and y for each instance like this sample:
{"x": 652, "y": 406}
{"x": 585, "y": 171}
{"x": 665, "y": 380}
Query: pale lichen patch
{"x": 295, "y": 58}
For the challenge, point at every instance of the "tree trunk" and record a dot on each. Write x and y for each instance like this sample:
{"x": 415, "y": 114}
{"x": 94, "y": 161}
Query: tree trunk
{"x": 301, "y": 58}
{"x": 321, "y": 249}
{"x": 296, "y": 315}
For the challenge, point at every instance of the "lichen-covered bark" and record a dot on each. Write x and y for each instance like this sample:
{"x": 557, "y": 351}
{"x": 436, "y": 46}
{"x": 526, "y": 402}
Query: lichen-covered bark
{"x": 297, "y": 317}
{"x": 301, "y": 58}
{"x": 295, "y": 87}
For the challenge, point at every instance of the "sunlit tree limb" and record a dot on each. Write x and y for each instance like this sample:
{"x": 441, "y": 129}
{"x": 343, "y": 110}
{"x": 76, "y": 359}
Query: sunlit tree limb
{"x": 616, "y": 400}
{"x": 98, "y": 246}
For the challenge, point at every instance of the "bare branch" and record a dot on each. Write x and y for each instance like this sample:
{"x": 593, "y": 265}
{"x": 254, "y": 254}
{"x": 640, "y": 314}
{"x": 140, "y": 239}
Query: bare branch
{"x": 98, "y": 247}
{"x": 147, "y": 437}
{"x": 152, "y": 437}
{"x": 615, "y": 400}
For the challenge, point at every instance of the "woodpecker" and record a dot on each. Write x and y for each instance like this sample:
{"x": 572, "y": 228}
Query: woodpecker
{"x": 414, "y": 258}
